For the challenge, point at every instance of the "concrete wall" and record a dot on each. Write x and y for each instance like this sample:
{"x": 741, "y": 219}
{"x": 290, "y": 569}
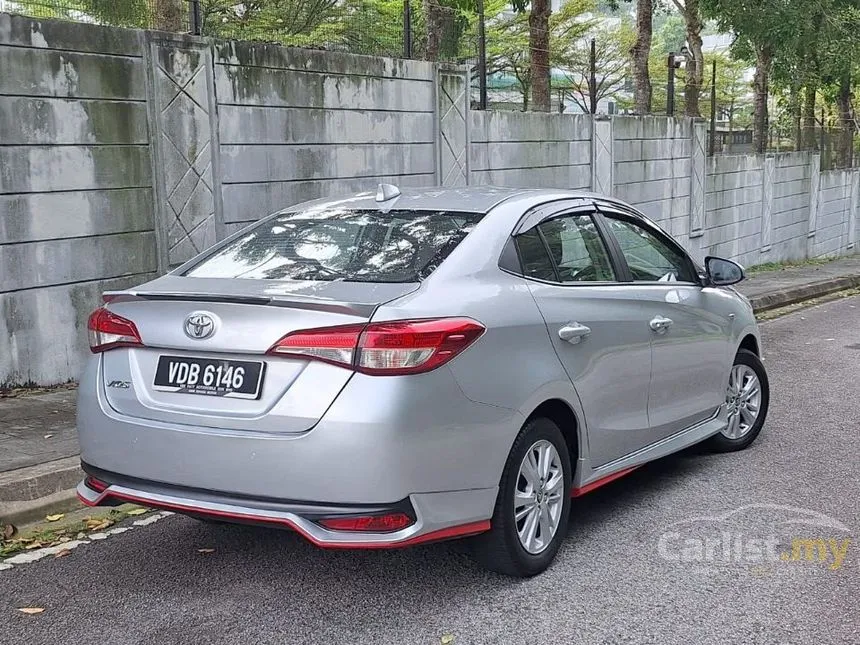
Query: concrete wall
{"x": 653, "y": 170}
{"x": 76, "y": 208}
{"x": 530, "y": 149}
{"x": 295, "y": 125}
{"x": 124, "y": 153}
{"x": 834, "y": 204}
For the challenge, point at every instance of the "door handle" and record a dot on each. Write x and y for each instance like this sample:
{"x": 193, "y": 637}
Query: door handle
{"x": 660, "y": 324}
{"x": 573, "y": 332}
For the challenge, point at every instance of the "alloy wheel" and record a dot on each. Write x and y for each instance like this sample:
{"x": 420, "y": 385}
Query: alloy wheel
{"x": 539, "y": 496}
{"x": 743, "y": 401}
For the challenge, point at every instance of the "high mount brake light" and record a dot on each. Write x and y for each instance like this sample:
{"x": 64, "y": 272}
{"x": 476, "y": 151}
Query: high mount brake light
{"x": 386, "y": 348}
{"x": 108, "y": 330}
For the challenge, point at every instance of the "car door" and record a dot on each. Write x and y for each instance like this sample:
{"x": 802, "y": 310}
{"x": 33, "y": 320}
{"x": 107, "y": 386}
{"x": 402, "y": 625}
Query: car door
{"x": 690, "y": 334}
{"x": 594, "y": 324}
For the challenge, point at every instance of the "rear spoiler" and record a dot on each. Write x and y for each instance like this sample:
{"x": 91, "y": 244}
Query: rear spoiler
{"x": 363, "y": 310}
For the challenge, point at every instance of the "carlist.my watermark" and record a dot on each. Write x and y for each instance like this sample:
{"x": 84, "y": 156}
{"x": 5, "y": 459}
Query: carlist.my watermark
{"x": 758, "y": 534}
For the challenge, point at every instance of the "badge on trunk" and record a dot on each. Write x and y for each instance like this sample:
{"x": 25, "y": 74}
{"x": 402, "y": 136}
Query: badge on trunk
{"x": 200, "y": 325}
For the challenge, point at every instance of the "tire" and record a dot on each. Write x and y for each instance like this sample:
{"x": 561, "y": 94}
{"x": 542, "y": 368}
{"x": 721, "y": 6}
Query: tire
{"x": 725, "y": 441}
{"x": 501, "y": 549}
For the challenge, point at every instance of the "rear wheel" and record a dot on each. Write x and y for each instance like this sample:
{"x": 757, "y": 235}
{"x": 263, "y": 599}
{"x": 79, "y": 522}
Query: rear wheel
{"x": 747, "y": 400}
{"x": 533, "y": 505}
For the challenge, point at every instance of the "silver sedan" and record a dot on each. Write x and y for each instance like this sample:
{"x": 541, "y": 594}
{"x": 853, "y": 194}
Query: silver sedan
{"x": 397, "y": 368}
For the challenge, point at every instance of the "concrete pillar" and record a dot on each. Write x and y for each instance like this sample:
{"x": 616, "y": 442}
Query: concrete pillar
{"x": 452, "y": 123}
{"x": 853, "y": 210}
{"x": 183, "y": 131}
{"x": 768, "y": 170}
{"x": 697, "y": 178}
{"x": 814, "y": 199}
{"x": 602, "y": 162}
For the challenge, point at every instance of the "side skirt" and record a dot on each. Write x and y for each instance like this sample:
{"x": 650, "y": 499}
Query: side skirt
{"x": 588, "y": 478}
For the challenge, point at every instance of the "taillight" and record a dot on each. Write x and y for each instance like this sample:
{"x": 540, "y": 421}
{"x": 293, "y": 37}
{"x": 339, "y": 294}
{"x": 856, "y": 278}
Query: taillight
{"x": 331, "y": 344}
{"x": 387, "y": 348}
{"x": 370, "y": 523}
{"x": 107, "y": 330}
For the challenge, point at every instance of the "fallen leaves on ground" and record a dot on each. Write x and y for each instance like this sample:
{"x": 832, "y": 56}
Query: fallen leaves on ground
{"x": 52, "y": 534}
{"x": 447, "y": 639}
{"x": 31, "y": 610}
{"x": 63, "y": 553}
{"x": 205, "y": 550}
{"x": 98, "y": 523}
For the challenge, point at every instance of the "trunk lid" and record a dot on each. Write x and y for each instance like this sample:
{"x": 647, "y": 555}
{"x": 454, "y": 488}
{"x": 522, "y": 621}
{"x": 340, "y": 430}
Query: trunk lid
{"x": 249, "y": 317}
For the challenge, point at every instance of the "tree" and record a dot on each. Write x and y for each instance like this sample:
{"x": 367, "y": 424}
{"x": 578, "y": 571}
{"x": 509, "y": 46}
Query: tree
{"x": 509, "y": 42}
{"x": 538, "y": 50}
{"x": 612, "y": 44}
{"x": 691, "y": 13}
{"x": 763, "y": 28}
{"x": 508, "y": 48}
{"x": 640, "y": 52}
{"x": 168, "y": 15}
{"x": 732, "y": 91}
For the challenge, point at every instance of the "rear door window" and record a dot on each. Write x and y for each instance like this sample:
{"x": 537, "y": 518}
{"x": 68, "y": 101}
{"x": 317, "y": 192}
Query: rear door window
{"x": 341, "y": 244}
{"x": 565, "y": 249}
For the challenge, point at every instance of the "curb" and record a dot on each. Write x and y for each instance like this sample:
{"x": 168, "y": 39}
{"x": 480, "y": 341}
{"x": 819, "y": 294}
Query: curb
{"x": 28, "y": 494}
{"x": 793, "y": 295}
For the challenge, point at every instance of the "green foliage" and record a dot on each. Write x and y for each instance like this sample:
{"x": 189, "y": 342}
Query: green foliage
{"x": 612, "y": 46}
{"x": 508, "y": 42}
{"x": 129, "y": 13}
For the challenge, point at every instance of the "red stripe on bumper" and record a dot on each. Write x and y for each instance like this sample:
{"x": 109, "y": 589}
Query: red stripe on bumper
{"x": 579, "y": 492}
{"x": 462, "y": 530}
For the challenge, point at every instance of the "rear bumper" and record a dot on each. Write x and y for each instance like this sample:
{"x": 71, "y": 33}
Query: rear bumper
{"x": 382, "y": 441}
{"x": 433, "y": 520}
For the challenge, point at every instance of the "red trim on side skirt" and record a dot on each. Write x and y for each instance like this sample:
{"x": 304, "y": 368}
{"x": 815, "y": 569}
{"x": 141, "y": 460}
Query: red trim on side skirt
{"x": 463, "y": 530}
{"x": 579, "y": 492}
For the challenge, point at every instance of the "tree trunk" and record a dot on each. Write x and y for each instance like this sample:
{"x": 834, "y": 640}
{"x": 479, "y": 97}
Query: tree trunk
{"x": 639, "y": 52}
{"x": 846, "y": 129}
{"x": 695, "y": 66}
{"x": 433, "y": 30}
{"x": 763, "y": 61}
{"x": 796, "y": 111}
{"x": 809, "y": 142}
{"x": 539, "y": 53}
{"x": 168, "y": 15}
{"x": 731, "y": 124}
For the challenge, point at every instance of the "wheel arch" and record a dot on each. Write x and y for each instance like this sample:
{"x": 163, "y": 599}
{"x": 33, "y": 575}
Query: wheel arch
{"x": 562, "y": 414}
{"x": 750, "y": 343}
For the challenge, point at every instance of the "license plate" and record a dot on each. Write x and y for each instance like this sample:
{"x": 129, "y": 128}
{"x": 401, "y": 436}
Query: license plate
{"x": 209, "y": 376}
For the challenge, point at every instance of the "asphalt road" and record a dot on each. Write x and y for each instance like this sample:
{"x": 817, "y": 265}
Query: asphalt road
{"x": 615, "y": 579}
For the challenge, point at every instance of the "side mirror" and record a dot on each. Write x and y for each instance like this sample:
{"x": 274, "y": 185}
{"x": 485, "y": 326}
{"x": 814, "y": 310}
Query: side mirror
{"x": 722, "y": 272}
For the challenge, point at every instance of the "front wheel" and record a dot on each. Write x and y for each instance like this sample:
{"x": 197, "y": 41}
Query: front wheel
{"x": 747, "y": 400}
{"x": 533, "y": 505}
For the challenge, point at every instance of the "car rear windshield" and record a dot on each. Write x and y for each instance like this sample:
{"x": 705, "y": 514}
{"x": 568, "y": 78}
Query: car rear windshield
{"x": 341, "y": 244}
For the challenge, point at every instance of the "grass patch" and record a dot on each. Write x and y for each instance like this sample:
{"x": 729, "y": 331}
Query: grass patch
{"x": 782, "y": 311}
{"x": 10, "y": 391}
{"x": 790, "y": 264}
{"x": 65, "y": 528}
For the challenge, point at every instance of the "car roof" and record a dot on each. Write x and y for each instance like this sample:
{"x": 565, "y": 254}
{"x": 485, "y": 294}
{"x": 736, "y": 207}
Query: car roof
{"x": 471, "y": 199}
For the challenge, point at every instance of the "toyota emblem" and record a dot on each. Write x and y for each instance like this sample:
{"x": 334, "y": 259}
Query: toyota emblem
{"x": 199, "y": 325}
